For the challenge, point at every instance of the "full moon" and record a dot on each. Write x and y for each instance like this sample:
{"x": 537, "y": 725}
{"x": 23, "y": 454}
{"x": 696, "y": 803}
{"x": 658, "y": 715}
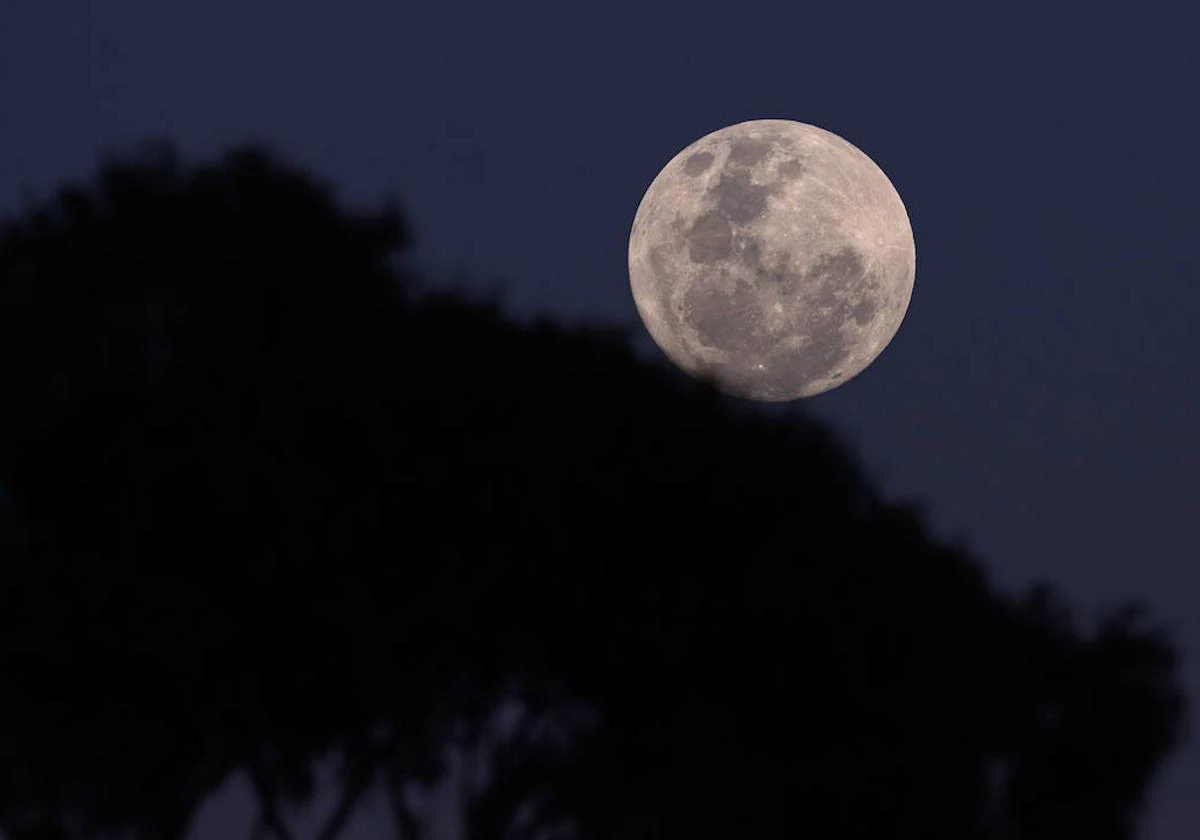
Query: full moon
{"x": 772, "y": 258}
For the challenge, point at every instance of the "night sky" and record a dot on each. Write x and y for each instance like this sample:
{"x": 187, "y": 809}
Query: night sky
{"x": 1040, "y": 400}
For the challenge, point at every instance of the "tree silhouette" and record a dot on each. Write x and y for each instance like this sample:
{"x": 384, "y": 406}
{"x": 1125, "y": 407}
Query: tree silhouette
{"x": 269, "y": 499}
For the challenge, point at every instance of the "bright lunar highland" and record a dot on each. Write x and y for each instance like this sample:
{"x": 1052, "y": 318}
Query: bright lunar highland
{"x": 772, "y": 258}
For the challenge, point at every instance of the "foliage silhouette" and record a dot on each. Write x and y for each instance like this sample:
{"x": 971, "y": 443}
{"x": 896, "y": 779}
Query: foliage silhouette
{"x": 268, "y": 498}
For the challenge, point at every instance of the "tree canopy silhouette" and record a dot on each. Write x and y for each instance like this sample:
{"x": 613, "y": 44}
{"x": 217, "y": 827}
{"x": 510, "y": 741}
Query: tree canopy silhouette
{"x": 267, "y": 497}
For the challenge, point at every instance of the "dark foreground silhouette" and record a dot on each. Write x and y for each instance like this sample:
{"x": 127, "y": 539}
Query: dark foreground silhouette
{"x": 265, "y": 498}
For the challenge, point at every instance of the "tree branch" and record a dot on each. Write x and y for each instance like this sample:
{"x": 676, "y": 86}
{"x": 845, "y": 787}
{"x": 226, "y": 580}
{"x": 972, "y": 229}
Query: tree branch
{"x": 407, "y": 825}
{"x": 269, "y": 814}
{"x": 357, "y": 781}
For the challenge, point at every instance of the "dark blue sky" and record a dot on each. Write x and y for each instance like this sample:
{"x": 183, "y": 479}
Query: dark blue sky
{"x": 1040, "y": 398}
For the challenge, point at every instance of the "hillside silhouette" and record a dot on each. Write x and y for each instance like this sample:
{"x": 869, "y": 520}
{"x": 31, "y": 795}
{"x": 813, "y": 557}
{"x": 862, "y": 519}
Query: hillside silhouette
{"x": 268, "y": 497}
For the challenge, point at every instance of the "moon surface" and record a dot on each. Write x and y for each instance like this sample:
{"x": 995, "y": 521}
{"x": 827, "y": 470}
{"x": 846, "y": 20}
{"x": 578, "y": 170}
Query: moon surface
{"x": 772, "y": 258}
